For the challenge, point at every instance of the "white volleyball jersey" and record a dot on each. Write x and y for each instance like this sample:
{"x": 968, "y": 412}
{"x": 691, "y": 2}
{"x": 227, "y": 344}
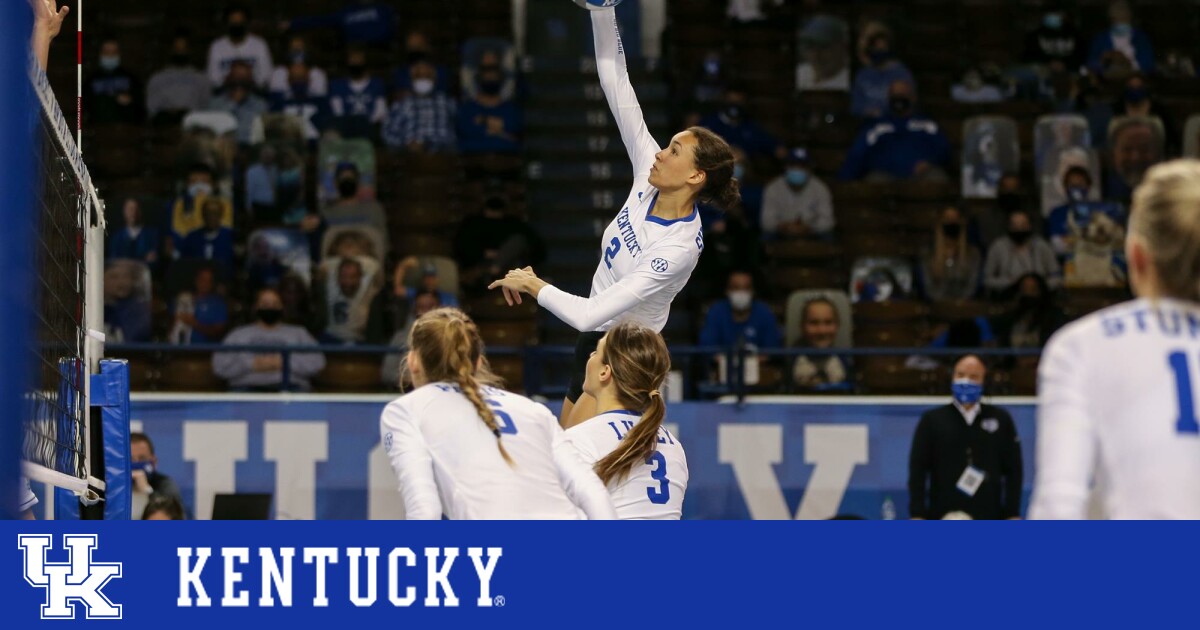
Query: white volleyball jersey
{"x": 1117, "y": 399}
{"x": 645, "y": 261}
{"x": 653, "y": 490}
{"x": 447, "y": 461}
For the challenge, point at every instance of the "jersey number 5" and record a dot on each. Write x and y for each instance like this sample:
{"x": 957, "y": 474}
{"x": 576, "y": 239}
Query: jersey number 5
{"x": 662, "y": 494}
{"x": 1183, "y": 386}
{"x": 503, "y": 420}
{"x": 609, "y": 254}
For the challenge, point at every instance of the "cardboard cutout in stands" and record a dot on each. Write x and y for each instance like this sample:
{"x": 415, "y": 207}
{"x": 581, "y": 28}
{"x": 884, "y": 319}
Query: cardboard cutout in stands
{"x": 879, "y": 279}
{"x": 273, "y": 252}
{"x": 474, "y": 51}
{"x": 1097, "y": 235}
{"x": 334, "y": 151}
{"x": 445, "y": 268}
{"x": 824, "y": 46}
{"x": 1135, "y": 143}
{"x": 1191, "y": 137}
{"x": 365, "y": 241}
{"x": 275, "y": 180}
{"x": 127, "y": 301}
{"x": 795, "y": 312}
{"x": 1053, "y": 192}
{"x": 989, "y": 151}
{"x": 1061, "y": 141}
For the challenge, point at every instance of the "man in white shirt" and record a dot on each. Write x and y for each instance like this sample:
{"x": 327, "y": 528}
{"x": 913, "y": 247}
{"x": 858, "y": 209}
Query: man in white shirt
{"x": 239, "y": 45}
{"x": 797, "y": 204}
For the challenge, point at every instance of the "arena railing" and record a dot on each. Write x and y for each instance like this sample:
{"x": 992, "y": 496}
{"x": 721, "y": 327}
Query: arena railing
{"x": 696, "y": 363}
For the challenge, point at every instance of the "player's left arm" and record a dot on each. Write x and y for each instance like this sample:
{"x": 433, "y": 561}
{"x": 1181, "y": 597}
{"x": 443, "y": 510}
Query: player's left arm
{"x": 1067, "y": 440}
{"x": 411, "y": 461}
{"x": 654, "y": 273}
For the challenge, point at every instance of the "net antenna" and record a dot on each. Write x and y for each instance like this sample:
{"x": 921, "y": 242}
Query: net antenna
{"x": 68, "y": 265}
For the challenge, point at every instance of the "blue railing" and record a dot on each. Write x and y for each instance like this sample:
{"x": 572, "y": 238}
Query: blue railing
{"x": 536, "y": 359}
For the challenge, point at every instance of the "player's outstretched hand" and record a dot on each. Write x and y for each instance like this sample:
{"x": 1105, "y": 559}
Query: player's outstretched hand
{"x": 519, "y": 281}
{"x": 48, "y": 17}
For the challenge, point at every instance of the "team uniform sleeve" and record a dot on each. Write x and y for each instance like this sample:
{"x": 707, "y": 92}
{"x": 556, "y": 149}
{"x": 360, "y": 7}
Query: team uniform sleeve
{"x": 584, "y": 314}
{"x": 411, "y": 461}
{"x": 579, "y": 480}
{"x": 622, "y": 100}
{"x": 1067, "y": 439}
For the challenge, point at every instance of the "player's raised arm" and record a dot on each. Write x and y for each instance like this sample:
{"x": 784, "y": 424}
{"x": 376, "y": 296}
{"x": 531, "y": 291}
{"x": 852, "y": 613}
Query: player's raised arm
{"x": 614, "y": 79}
{"x": 1067, "y": 441}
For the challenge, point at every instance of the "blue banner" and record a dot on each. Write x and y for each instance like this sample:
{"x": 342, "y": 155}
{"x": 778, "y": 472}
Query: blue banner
{"x": 320, "y": 456}
{"x": 596, "y": 575}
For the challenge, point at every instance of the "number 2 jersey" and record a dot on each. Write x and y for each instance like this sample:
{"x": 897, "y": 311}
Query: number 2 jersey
{"x": 1117, "y": 406}
{"x": 645, "y": 261}
{"x": 447, "y": 461}
{"x": 654, "y": 489}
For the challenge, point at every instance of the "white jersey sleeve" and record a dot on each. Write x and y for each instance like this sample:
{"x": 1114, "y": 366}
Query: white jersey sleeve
{"x": 412, "y": 462}
{"x": 580, "y": 482}
{"x": 622, "y": 100}
{"x": 655, "y": 272}
{"x": 28, "y": 499}
{"x": 1067, "y": 436}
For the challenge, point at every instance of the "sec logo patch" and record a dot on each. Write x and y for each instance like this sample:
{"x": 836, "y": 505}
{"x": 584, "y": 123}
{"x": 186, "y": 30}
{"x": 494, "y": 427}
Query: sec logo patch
{"x": 659, "y": 265}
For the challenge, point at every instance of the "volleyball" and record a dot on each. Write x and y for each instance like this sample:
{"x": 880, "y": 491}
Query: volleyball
{"x": 596, "y": 5}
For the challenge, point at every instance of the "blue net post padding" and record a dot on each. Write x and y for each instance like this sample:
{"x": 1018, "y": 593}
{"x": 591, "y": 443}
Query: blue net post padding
{"x": 110, "y": 394}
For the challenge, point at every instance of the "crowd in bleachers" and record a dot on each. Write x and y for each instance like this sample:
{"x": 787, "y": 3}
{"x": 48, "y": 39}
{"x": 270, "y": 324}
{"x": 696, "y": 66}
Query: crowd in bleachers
{"x": 922, "y": 173}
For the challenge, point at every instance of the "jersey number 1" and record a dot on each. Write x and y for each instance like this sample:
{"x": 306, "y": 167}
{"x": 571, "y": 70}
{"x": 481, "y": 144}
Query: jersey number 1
{"x": 1183, "y": 386}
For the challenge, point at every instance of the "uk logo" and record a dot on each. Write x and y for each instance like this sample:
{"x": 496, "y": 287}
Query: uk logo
{"x": 77, "y": 581}
{"x": 659, "y": 265}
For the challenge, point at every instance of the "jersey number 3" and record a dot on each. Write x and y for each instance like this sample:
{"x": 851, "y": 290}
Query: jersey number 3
{"x": 1183, "y": 385}
{"x": 662, "y": 494}
{"x": 614, "y": 246}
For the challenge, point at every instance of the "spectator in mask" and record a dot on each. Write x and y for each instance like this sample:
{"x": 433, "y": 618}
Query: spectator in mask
{"x": 114, "y": 93}
{"x": 492, "y": 241}
{"x": 299, "y": 100}
{"x": 187, "y": 211}
{"x": 180, "y": 87}
{"x": 201, "y": 316}
{"x": 1123, "y": 40}
{"x": 1136, "y": 144}
{"x": 819, "y": 325}
{"x": 263, "y": 371}
{"x": 297, "y": 52}
{"x": 1017, "y": 253}
{"x": 358, "y": 101}
{"x": 149, "y": 483}
{"x": 1077, "y": 183}
{"x": 1032, "y": 318}
{"x": 951, "y": 270}
{"x": 710, "y": 80}
{"x": 901, "y": 145}
{"x": 238, "y": 98}
{"x": 797, "y": 204}
{"x": 734, "y": 124}
{"x": 360, "y": 22}
{"x": 488, "y": 122}
{"x": 1055, "y": 48}
{"x": 739, "y": 318}
{"x": 239, "y": 45}
{"x": 135, "y": 240}
{"x": 213, "y": 241}
{"x": 966, "y": 456}
{"x": 422, "y": 120}
{"x": 1136, "y": 100}
{"x": 871, "y": 95}
{"x": 350, "y": 208}
{"x": 417, "y": 49}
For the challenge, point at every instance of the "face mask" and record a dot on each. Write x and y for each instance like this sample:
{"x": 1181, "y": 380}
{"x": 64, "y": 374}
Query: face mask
{"x": 1053, "y": 21}
{"x": 1020, "y": 237}
{"x": 879, "y": 57}
{"x": 1122, "y": 30}
{"x": 200, "y": 190}
{"x": 712, "y": 68}
{"x": 951, "y": 230}
{"x": 416, "y": 56}
{"x": 739, "y": 171}
{"x": 1077, "y": 194}
{"x": 110, "y": 62}
{"x": 297, "y": 56}
{"x": 740, "y": 300}
{"x": 1136, "y": 95}
{"x": 300, "y": 89}
{"x": 423, "y": 87}
{"x": 1028, "y": 302}
{"x": 180, "y": 59}
{"x": 270, "y": 316}
{"x": 146, "y": 467}
{"x": 966, "y": 391}
{"x": 347, "y": 188}
{"x": 900, "y": 105}
{"x": 796, "y": 177}
{"x": 357, "y": 70}
{"x": 490, "y": 87}
{"x": 1008, "y": 201}
{"x": 237, "y": 31}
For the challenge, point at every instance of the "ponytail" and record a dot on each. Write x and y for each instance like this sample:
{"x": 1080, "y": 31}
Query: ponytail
{"x": 463, "y": 360}
{"x": 637, "y": 446}
{"x": 715, "y": 157}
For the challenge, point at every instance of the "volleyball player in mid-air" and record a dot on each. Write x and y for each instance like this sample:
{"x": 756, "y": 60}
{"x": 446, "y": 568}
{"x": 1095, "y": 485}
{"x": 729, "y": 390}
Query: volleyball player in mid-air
{"x": 649, "y": 250}
{"x": 641, "y": 462}
{"x": 466, "y": 449}
{"x": 1117, "y": 389}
